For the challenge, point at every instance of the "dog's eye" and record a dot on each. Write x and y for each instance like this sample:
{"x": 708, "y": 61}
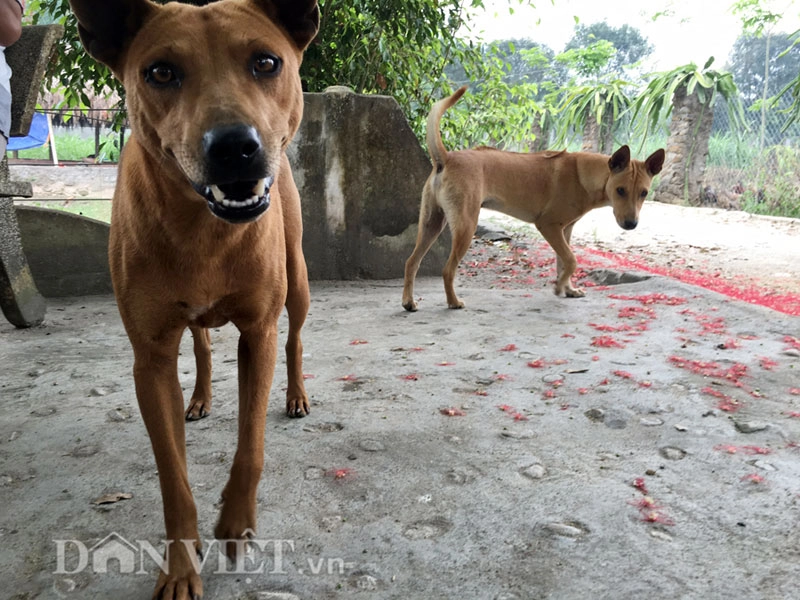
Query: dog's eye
{"x": 162, "y": 74}
{"x": 265, "y": 65}
{"x": 643, "y": 194}
{"x": 621, "y": 191}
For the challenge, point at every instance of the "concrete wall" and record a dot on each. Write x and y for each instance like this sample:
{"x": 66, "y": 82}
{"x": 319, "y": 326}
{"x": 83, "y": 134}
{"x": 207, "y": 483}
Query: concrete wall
{"x": 360, "y": 172}
{"x": 67, "y": 253}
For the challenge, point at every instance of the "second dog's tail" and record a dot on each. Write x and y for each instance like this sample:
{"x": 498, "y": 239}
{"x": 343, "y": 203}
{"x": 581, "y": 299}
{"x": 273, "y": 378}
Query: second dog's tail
{"x": 433, "y": 134}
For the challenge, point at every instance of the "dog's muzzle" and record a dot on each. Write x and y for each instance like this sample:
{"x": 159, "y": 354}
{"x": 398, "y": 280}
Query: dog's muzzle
{"x": 238, "y": 190}
{"x": 240, "y": 202}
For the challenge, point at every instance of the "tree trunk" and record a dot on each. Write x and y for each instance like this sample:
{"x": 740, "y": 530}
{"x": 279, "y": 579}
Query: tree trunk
{"x": 687, "y": 150}
{"x": 598, "y": 137}
{"x": 591, "y": 134}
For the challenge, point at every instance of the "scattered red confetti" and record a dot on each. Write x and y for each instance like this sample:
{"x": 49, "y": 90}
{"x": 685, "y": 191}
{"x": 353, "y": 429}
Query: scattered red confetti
{"x": 605, "y": 381}
{"x": 503, "y": 377}
{"x": 567, "y": 335}
{"x": 730, "y": 449}
{"x": 411, "y": 377}
{"x": 794, "y": 414}
{"x": 308, "y": 376}
{"x": 564, "y": 406}
{"x": 549, "y": 394}
{"x": 794, "y": 391}
{"x": 536, "y": 364}
{"x": 519, "y": 417}
{"x": 792, "y": 341}
{"x": 560, "y": 361}
{"x": 655, "y": 516}
{"x": 644, "y": 503}
{"x": 645, "y": 384}
{"x": 453, "y": 412}
{"x": 606, "y": 341}
{"x": 639, "y": 484}
{"x": 505, "y": 407}
{"x": 787, "y": 303}
{"x": 583, "y": 391}
{"x": 595, "y": 358}
{"x": 756, "y": 450}
{"x": 730, "y": 344}
{"x": 767, "y": 363}
{"x": 611, "y": 328}
{"x": 509, "y": 348}
{"x": 481, "y": 393}
{"x": 633, "y": 312}
{"x": 444, "y": 363}
{"x": 339, "y": 474}
{"x": 647, "y": 299}
{"x": 358, "y": 342}
{"x": 751, "y": 450}
{"x": 417, "y": 349}
{"x": 348, "y": 378}
{"x": 754, "y": 478}
{"x": 623, "y": 374}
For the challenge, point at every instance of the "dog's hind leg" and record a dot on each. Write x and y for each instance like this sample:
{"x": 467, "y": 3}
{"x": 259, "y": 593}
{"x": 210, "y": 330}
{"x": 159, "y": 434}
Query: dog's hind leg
{"x": 567, "y": 238}
{"x": 462, "y": 228}
{"x": 566, "y": 262}
{"x": 431, "y": 225}
{"x": 200, "y": 404}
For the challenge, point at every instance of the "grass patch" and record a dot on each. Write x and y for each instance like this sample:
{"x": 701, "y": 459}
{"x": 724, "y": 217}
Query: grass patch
{"x": 72, "y": 147}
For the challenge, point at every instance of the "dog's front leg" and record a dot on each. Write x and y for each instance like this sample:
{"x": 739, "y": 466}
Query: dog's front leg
{"x": 257, "y": 355}
{"x": 298, "y": 300}
{"x": 566, "y": 263}
{"x": 160, "y": 399}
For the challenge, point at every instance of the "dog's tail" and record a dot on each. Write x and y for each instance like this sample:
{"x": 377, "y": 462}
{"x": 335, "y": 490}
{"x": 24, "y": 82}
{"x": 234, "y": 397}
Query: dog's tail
{"x": 433, "y": 134}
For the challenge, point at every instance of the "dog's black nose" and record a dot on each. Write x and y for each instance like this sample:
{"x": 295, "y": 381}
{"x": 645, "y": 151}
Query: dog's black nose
{"x": 233, "y": 153}
{"x": 628, "y": 225}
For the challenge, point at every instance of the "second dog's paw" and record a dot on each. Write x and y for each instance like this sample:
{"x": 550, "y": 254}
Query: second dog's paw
{"x": 198, "y": 409}
{"x": 575, "y": 293}
{"x": 410, "y": 306}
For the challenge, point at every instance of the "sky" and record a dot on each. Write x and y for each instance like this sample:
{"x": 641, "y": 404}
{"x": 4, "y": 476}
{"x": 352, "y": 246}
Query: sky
{"x": 687, "y": 31}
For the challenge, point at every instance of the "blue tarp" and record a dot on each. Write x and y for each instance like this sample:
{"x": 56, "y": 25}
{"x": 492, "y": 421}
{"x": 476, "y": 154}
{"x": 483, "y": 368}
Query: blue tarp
{"x": 37, "y": 135}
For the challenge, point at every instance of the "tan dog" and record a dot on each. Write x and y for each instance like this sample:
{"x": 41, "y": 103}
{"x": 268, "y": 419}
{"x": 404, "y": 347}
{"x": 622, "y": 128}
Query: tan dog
{"x": 206, "y": 226}
{"x": 552, "y": 190}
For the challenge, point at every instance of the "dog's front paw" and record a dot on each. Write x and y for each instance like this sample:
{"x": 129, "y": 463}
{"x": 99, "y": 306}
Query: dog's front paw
{"x": 297, "y": 406}
{"x": 180, "y": 577}
{"x": 233, "y": 534}
{"x": 455, "y": 305}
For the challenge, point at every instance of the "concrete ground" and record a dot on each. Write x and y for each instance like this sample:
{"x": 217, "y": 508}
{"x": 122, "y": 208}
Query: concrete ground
{"x": 641, "y": 442}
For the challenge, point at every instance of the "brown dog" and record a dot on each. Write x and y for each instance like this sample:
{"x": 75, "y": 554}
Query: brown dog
{"x": 206, "y": 226}
{"x": 552, "y": 190}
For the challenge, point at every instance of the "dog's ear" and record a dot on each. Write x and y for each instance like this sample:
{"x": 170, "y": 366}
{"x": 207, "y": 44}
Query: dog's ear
{"x": 106, "y": 27}
{"x": 300, "y": 18}
{"x": 620, "y": 160}
{"x": 655, "y": 162}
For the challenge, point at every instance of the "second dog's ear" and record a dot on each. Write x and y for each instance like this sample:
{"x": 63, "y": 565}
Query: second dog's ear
{"x": 619, "y": 160}
{"x": 655, "y": 162}
{"x": 106, "y": 27}
{"x": 300, "y": 18}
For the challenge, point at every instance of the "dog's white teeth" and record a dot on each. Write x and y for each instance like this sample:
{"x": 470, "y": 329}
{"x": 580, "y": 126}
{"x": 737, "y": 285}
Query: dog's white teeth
{"x": 261, "y": 187}
{"x": 239, "y": 203}
{"x": 219, "y": 195}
